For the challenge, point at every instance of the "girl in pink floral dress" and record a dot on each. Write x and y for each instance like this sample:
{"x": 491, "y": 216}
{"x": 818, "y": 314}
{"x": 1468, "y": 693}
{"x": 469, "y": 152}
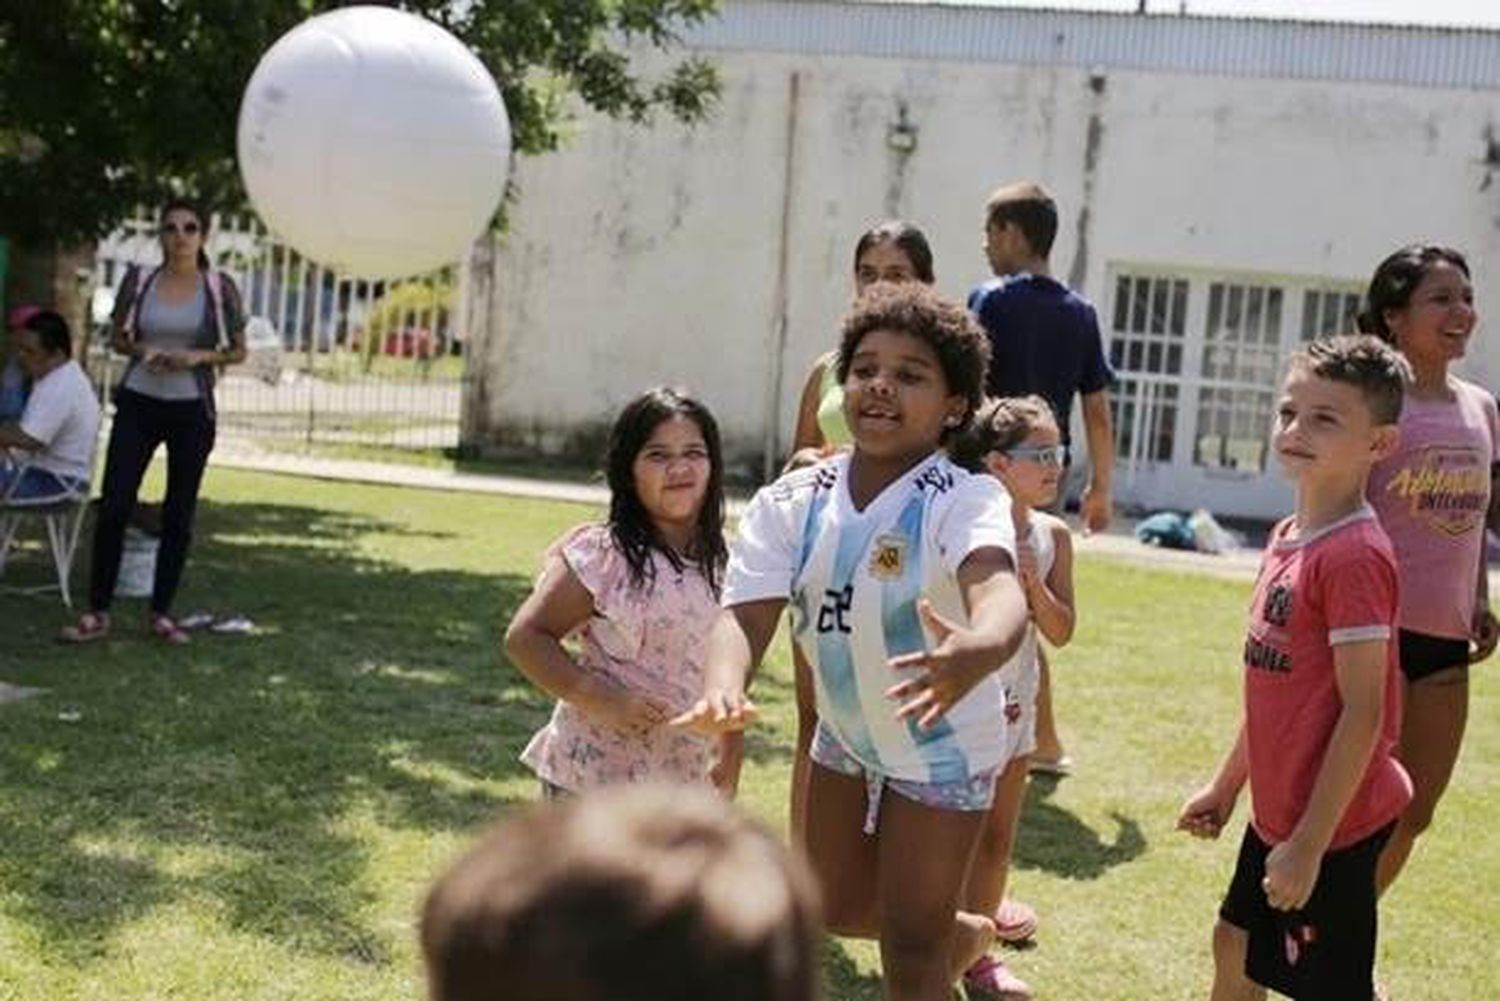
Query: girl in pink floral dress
{"x": 635, "y": 597}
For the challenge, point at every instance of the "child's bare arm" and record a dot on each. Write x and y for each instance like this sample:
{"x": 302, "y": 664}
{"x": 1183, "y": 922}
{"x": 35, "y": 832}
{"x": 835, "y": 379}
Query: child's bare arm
{"x": 964, "y": 654}
{"x": 807, "y": 442}
{"x": 1051, "y": 599}
{"x": 1209, "y": 809}
{"x": 1486, "y": 629}
{"x": 736, "y": 645}
{"x": 1292, "y": 866}
{"x": 556, "y": 606}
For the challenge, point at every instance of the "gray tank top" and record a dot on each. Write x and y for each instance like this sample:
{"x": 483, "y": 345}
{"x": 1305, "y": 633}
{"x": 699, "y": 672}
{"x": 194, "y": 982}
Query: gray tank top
{"x": 167, "y": 326}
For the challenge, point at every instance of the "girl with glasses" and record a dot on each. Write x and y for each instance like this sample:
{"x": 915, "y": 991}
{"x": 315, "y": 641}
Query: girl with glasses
{"x": 1017, "y": 441}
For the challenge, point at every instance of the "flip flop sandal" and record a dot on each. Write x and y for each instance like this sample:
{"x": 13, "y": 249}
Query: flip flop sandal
{"x": 165, "y": 629}
{"x": 89, "y": 627}
{"x": 1014, "y": 921}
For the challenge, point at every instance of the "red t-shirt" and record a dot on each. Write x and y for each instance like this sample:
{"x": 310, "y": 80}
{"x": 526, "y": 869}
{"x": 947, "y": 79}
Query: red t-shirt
{"x": 1337, "y": 585}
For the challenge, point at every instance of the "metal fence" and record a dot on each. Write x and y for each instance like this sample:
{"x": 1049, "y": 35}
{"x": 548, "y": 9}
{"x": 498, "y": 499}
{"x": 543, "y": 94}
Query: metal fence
{"x": 341, "y": 361}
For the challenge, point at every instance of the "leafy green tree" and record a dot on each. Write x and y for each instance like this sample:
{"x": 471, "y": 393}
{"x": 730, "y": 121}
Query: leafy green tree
{"x": 108, "y": 104}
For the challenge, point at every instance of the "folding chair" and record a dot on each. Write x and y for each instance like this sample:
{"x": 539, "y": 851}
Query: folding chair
{"x": 63, "y": 519}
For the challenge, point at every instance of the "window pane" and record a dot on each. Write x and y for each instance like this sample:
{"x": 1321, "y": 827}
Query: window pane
{"x": 1138, "y": 306}
{"x": 1309, "y": 315}
{"x": 1122, "y": 301}
{"x": 1330, "y": 324}
{"x": 1255, "y": 298}
{"x": 1234, "y": 313}
{"x": 1178, "y": 326}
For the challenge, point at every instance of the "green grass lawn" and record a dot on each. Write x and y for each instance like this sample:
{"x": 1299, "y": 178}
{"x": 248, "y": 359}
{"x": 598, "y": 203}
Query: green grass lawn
{"x": 257, "y": 817}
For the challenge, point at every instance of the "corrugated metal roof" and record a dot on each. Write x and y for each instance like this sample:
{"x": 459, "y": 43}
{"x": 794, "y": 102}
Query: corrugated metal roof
{"x": 1420, "y": 56}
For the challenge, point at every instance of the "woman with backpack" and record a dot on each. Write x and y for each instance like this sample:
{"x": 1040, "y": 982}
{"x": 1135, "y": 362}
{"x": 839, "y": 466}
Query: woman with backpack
{"x": 177, "y": 324}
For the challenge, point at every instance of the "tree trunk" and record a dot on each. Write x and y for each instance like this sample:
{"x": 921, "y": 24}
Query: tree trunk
{"x": 58, "y": 278}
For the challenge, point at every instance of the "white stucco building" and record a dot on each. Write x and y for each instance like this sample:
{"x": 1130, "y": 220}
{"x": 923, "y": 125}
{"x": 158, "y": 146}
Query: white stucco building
{"x": 1226, "y": 188}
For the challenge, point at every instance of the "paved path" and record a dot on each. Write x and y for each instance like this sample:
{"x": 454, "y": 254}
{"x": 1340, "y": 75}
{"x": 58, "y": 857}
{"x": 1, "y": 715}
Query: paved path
{"x": 1118, "y": 544}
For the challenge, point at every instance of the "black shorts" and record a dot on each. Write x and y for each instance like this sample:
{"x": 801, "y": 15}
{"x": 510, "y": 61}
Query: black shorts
{"x": 1423, "y": 654}
{"x": 1326, "y": 950}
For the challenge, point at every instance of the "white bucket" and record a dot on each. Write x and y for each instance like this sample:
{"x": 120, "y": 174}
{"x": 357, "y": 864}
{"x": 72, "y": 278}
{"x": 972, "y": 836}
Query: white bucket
{"x": 137, "y": 564}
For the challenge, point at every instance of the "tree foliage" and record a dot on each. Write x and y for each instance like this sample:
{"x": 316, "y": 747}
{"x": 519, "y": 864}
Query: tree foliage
{"x": 108, "y": 104}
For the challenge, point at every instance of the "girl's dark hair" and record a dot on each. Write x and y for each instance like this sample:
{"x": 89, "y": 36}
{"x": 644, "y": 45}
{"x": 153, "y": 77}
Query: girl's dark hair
{"x": 962, "y": 349}
{"x": 1397, "y": 278}
{"x": 629, "y": 523}
{"x": 999, "y": 425}
{"x": 911, "y": 240}
{"x": 181, "y": 204}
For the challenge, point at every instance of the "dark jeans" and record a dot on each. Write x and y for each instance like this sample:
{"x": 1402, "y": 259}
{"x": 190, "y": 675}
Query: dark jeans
{"x": 141, "y": 424}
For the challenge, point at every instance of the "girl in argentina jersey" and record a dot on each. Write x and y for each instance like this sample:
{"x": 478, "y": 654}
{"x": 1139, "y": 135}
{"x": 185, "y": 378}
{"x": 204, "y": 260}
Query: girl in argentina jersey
{"x": 898, "y": 566}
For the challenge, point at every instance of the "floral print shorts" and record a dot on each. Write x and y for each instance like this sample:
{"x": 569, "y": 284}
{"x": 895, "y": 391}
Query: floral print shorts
{"x": 974, "y": 794}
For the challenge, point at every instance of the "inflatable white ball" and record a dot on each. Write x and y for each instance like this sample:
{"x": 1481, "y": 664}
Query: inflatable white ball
{"x": 374, "y": 142}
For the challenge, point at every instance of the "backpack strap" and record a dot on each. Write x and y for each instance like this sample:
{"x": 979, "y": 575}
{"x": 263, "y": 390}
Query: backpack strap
{"x": 216, "y": 297}
{"x": 137, "y": 287}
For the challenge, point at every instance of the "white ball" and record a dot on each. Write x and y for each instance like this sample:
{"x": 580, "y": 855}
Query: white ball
{"x": 374, "y": 142}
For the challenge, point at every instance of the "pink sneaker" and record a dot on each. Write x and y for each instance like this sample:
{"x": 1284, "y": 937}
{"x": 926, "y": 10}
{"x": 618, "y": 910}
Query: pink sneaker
{"x": 991, "y": 978}
{"x": 1014, "y": 921}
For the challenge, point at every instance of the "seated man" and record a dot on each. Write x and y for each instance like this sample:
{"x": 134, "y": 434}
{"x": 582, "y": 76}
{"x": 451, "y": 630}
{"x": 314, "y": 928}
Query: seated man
{"x": 49, "y": 452}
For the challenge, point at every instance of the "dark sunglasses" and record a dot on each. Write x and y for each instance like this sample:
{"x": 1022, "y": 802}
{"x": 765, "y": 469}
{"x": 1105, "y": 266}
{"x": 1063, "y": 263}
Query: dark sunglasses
{"x": 187, "y": 228}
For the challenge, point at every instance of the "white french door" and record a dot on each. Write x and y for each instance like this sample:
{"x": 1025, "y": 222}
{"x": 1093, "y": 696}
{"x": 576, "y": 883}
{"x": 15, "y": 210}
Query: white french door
{"x": 1198, "y": 356}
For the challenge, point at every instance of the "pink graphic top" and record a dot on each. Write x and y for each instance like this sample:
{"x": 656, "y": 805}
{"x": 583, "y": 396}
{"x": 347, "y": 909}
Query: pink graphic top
{"x": 648, "y": 640}
{"x": 1334, "y": 586}
{"x": 1432, "y": 497}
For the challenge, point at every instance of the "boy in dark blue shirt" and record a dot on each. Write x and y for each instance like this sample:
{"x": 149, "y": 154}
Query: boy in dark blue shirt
{"x": 1044, "y": 337}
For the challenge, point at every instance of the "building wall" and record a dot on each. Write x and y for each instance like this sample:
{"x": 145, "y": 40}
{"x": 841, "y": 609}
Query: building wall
{"x": 639, "y": 257}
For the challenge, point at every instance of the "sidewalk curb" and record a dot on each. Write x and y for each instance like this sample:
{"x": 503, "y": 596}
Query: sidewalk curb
{"x": 1120, "y": 546}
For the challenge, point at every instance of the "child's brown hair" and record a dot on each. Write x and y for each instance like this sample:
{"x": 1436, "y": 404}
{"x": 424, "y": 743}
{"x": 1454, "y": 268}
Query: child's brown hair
{"x": 910, "y": 308}
{"x": 637, "y": 893}
{"x": 1363, "y": 361}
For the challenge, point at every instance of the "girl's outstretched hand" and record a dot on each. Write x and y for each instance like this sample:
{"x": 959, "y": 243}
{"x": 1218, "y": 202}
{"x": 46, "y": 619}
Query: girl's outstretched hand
{"x": 719, "y": 711}
{"x": 948, "y": 671}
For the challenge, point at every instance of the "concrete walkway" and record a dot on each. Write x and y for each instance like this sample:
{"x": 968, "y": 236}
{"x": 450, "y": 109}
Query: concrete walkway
{"x": 1116, "y": 544}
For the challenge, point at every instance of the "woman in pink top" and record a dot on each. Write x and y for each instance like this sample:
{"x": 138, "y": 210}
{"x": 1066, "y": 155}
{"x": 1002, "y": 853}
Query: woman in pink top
{"x": 1433, "y": 497}
{"x": 638, "y": 593}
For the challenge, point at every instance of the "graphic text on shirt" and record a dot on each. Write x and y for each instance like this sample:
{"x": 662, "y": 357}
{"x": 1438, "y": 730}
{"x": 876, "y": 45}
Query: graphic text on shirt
{"x": 1446, "y": 487}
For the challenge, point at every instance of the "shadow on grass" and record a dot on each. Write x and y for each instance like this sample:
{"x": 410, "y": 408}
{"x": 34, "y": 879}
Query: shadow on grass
{"x": 237, "y": 769}
{"x": 1054, "y": 840}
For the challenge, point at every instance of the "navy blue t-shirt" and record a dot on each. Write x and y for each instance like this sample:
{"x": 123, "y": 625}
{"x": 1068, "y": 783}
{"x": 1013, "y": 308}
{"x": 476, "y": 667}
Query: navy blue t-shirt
{"x": 1044, "y": 339}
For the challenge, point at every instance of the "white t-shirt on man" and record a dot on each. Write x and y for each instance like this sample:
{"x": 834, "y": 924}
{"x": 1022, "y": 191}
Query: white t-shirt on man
{"x": 63, "y": 414}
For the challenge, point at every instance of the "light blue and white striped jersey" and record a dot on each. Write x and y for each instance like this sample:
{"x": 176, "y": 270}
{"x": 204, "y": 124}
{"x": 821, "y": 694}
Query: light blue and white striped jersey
{"x": 853, "y": 579}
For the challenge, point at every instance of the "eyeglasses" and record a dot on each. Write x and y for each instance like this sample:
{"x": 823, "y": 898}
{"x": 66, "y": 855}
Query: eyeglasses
{"x": 1047, "y": 455}
{"x": 186, "y": 228}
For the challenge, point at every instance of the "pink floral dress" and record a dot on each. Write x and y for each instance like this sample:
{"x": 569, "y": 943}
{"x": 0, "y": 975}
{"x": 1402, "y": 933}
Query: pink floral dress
{"x": 649, "y": 640}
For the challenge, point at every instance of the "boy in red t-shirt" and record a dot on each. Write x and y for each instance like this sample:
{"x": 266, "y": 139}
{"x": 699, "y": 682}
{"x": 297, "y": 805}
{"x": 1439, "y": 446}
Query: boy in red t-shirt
{"x": 1322, "y": 699}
